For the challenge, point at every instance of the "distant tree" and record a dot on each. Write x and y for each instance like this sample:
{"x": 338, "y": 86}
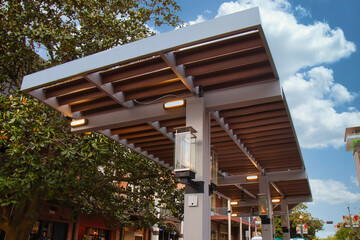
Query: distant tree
{"x": 343, "y": 233}
{"x": 40, "y": 159}
{"x": 314, "y": 224}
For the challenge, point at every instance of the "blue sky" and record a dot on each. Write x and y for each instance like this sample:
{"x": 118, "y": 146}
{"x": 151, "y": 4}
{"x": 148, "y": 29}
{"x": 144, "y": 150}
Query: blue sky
{"x": 315, "y": 45}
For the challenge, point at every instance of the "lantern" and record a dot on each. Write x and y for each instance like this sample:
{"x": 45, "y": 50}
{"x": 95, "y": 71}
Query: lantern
{"x": 185, "y": 141}
{"x": 263, "y": 204}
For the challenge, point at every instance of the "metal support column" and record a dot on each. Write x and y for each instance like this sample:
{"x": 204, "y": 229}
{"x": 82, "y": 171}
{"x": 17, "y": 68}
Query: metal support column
{"x": 197, "y": 221}
{"x": 249, "y": 228}
{"x": 241, "y": 229}
{"x": 285, "y": 223}
{"x": 267, "y": 222}
{"x": 229, "y": 219}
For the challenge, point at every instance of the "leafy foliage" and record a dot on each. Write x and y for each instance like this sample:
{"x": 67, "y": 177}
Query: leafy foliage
{"x": 40, "y": 157}
{"x": 346, "y": 233}
{"x": 314, "y": 224}
{"x": 70, "y": 29}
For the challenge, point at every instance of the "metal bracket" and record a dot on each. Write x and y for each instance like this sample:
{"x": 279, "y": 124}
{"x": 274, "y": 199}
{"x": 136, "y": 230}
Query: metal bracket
{"x": 212, "y": 188}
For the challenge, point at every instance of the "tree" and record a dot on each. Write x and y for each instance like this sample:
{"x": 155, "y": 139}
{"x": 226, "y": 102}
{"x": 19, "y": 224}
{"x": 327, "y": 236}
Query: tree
{"x": 346, "y": 233}
{"x": 70, "y": 29}
{"x": 40, "y": 159}
{"x": 314, "y": 224}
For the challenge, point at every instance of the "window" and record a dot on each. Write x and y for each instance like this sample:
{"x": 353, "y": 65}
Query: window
{"x": 213, "y": 235}
{"x": 223, "y": 236}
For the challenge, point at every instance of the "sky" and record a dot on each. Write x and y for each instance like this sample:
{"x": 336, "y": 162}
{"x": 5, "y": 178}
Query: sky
{"x": 315, "y": 45}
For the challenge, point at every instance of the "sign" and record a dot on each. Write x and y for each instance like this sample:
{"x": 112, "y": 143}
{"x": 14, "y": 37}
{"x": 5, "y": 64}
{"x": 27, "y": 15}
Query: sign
{"x": 348, "y": 226}
{"x": 301, "y": 229}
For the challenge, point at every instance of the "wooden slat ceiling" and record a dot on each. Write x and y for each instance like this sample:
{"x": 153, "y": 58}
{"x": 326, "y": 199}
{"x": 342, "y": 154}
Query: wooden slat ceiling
{"x": 265, "y": 129}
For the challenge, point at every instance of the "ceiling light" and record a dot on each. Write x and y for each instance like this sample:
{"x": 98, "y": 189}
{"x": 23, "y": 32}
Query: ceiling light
{"x": 174, "y": 104}
{"x": 234, "y": 215}
{"x": 252, "y": 178}
{"x": 233, "y": 203}
{"x": 78, "y": 122}
{"x": 275, "y": 200}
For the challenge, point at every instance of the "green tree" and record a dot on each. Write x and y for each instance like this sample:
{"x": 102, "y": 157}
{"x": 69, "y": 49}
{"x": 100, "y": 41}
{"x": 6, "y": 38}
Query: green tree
{"x": 40, "y": 159}
{"x": 69, "y": 29}
{"x": 343, "y": 233}
{"x": 314, "y": 224}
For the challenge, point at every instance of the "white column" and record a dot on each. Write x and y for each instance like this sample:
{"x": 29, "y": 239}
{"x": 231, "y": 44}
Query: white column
{"x": 267, "y": 226}
{"x": 181, "y": 230}
{"x": 241, "y": 230}
{"x": 229, "y": 219}
{"x": 197, "y": 224}
{"x": 285, "y": 223}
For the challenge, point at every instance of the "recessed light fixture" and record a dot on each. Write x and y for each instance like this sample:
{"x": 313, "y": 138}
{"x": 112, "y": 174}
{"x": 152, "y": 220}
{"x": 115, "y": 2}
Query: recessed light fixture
{"x": 252, "y": 178}
{"x": 174, "y": 104}
{"x": 234, "y": 215}
{"x": 275, "y": 200}
{"x": 233, "y": 203}
{"x": 78, "y": 122}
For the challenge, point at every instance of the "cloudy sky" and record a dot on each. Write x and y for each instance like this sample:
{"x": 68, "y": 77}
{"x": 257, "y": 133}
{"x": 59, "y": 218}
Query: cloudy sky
{"x": 315, "y": 45}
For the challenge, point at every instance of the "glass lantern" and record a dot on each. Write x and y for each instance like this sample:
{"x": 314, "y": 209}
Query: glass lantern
{"x": 263, "y": 205}
{"x": 284, "y": 220}
{"x": 185, "y": 141}
{"x": 214, "y": 167}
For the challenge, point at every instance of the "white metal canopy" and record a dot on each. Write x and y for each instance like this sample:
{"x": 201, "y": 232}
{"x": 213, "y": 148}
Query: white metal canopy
{"x": 226, "y": 62}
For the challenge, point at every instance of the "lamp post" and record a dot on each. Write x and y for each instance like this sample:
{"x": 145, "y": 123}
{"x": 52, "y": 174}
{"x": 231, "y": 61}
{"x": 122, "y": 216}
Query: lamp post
{"x": 351, "y": 225}
{"x": 301, "y": 225}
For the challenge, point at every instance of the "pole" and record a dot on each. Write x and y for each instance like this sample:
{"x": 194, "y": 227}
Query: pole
{"x": 255, "y": 229}
{"x": 301, "y": 226}
{"x": 351, "y": 225}
{"x": 249, "y": 229}
{"x": 241, "y": 230}
{"x": 229, "y": 219}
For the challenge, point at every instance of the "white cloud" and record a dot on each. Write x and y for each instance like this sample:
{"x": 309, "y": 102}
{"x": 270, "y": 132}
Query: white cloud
{"x": 331, "y": 191}
{"x": 354, "y": 180}
{"x": 294, "y": 46}
{"x": 302, "y": 12}
{"x": 298, "y": 51}
{"x": 313, "y": 97}
{"x": 199, "y": 19}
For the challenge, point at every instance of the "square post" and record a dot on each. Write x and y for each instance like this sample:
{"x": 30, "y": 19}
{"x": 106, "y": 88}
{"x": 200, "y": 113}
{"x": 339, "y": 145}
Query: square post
{"x": 285, "y": 222}
{"x": 197, "y": 221}
{"x": 267, "y": 221}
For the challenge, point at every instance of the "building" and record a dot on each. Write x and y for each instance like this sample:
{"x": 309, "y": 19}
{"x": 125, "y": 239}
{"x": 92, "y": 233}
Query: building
{"x": 352, "y": 139}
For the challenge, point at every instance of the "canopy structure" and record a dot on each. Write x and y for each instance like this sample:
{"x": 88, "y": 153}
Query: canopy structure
{"x": 227, "y": 63}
